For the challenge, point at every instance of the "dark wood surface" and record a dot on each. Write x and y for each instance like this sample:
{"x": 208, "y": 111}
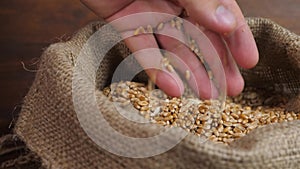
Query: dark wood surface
{"x": 29, "y": 26}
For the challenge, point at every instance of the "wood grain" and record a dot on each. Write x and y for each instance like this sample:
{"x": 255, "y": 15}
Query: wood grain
{"x": 29, "y": 26}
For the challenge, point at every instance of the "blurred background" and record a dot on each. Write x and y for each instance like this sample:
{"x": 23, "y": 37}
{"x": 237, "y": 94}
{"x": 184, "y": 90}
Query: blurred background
{"x": 29, "y": 26}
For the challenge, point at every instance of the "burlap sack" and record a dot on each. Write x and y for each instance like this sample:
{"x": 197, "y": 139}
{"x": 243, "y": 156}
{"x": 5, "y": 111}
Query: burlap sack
{"x": 50, "y": 128}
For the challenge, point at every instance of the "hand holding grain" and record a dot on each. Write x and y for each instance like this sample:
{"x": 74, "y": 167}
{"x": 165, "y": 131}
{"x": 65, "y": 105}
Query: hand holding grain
{"x": 221, "y": 20}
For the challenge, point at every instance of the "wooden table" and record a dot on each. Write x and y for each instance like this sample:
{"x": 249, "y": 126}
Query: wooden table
{"x": 29, "y": 26}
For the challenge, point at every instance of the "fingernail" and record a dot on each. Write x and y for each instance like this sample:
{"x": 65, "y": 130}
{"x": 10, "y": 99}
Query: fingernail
{"x": 224, "y": 16}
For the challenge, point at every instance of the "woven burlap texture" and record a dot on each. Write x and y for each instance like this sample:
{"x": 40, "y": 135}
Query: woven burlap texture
{"x": 49, "y": 126}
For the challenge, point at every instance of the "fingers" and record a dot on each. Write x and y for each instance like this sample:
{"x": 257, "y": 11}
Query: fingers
{"x": 165, "y": 78}
{"x": 241, "y": 41}
{"x": 211, "y": 14}
{"x": 226, "y": 18}
{"x": 185, "y": 60}
{"x": 243, "y": 47}
{"x": 220, "y": 16}
{"x": 234, "y": 79}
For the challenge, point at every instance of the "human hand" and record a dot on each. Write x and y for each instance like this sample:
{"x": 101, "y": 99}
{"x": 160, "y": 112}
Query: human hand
{"x": 219, "y": 19}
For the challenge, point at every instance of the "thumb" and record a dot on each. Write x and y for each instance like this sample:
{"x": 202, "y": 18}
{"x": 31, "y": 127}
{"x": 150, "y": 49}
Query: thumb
{"x": 211, "y": 14}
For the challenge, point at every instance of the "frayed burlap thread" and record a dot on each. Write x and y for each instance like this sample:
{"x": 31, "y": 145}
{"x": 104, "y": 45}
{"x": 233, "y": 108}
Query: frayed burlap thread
{"x": 49, "y": 126}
